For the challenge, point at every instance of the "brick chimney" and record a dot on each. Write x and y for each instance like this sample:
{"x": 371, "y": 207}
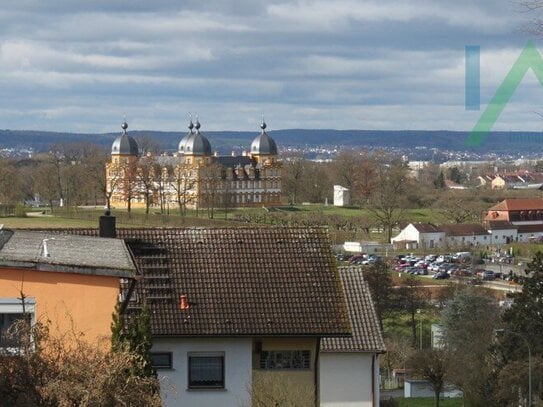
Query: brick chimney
{"x": 183, "y": 303}
{"x": 107, "y": 225}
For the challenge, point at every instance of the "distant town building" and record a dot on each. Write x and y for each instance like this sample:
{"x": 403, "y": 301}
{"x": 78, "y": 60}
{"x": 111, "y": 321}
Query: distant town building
{"x": 194, "y": 177}
{"x": 519, "y": 211}
{"x": 342, "y": 196}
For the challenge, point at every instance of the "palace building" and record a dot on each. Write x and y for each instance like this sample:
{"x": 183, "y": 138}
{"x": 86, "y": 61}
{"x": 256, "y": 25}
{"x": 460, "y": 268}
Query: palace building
{"x": 193, "y": 177}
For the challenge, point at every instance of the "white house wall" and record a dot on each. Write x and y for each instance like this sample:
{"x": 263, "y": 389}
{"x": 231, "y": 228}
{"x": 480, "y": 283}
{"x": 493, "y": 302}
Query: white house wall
{"x": 430, "y": 240}
{"x": 500, "y": 236}
{"x": 469, "y": 240}
{"x": 346, "y": 380}
{"x": 237, "y": 372}
{"x": 409, "y": 233}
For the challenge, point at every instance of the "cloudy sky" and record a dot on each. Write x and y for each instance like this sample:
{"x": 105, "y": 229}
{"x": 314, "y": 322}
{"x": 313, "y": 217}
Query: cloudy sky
{"x": 345, "y": 64}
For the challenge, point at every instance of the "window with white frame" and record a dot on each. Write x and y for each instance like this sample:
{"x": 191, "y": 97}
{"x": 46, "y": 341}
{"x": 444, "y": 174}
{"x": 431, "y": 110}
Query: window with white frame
{"x": 206, "y": 370}
{"x": 13, "y": 310}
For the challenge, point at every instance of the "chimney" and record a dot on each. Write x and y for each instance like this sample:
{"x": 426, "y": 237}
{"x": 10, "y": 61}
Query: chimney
{"x": 107, "y": 225}
{"x": 183, "y": 303}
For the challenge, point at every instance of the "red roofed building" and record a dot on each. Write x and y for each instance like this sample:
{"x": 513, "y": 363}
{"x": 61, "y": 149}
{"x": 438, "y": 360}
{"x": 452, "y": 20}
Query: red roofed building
{"x": 519, "y": 211}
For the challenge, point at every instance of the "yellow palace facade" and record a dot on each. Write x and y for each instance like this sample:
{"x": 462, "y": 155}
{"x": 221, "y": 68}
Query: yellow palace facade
{"x": 193, "y": 177}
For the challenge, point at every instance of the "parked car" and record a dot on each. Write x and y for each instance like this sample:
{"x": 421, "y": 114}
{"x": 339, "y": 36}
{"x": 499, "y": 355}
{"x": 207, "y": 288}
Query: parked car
{"x": 488, "y": 275}
{"x": 461, "y": 256}
{"x": 421, "y": 272}
{"x": 441, "y": 275}
{"x": 358, "y": 259}
{"x": 430, "y": 258}
{"x": 434, "y": 266}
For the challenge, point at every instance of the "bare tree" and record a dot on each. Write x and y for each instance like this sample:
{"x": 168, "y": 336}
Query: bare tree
{"x": 183, "y": 183}
{"x": 459, "y": 207}
{"x": 388, "y": 200}
{"x": 432, "y": 365}
{"x": 293, "y": 177}
{"x": 380, "y": 284}
{"x": 145, "y": 179}
{"x": 46, "y": 183}
{"x": 47, "y": 372}
{"x": 411, "y": 297}
{"x": 346, "y": 167}
{"x": 10, "y": 183}
{"x": 211, "y": 183}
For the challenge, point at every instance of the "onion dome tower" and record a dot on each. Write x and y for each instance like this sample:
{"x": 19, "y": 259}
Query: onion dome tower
{"x": 263, "y": 145}
{"x": 124, "y": 145}
{"x": 195, "y": 143}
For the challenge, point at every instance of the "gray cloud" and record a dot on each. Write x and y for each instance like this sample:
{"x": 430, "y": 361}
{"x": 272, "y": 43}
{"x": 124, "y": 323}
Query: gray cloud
{"x": 391, "y": 64}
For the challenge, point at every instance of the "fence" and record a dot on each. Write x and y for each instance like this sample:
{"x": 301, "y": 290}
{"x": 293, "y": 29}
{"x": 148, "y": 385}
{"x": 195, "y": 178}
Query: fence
{"x": 7, "y": 210}
{"x": 139, "y": 219}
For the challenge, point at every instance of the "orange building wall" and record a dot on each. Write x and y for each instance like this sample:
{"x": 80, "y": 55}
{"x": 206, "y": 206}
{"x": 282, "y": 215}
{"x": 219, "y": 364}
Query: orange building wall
{"x": 72, "y": 302}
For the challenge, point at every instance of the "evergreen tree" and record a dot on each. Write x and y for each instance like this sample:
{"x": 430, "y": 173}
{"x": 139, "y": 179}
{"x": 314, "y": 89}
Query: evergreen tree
{"x": 439, "y": 182}
{"x": 525, "y": 314}
{"x": 134, "y": 335}
{"x": 118, "y": 334}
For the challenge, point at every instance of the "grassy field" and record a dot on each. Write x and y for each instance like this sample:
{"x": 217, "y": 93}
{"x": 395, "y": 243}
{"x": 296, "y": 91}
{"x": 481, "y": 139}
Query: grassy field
{"x": 428, "y": 402}
{"x": 399, "y": 324}
{"x": 45, "y": 222}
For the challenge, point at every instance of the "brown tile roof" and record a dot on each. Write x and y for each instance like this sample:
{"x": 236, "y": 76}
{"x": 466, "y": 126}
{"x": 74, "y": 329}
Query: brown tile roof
{"x": 427, "y": 227}
{"x": 530, "y": 228}
{"x": 366, "y": 336}
{"x": 237, "y": 281}
{"x": 518, "y": 204}
{"x": 500, "y": 225}
{"x": 463, "y": 229}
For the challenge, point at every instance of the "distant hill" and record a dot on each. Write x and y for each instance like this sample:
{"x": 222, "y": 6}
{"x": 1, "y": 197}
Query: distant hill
{"x": 225, "y": 141}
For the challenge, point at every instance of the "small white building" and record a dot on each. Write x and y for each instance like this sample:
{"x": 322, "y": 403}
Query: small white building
{"x": 365, "y": 247}
{"x": 342, "y": 196}
{"x": 423, "y": 388}
{"x": 425, "y": 235}
{"x": 349, "y": 366}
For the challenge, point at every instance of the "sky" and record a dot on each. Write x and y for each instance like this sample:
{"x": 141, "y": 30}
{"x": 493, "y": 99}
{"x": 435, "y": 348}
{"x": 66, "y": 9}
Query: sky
{"x": 81, "y": 66}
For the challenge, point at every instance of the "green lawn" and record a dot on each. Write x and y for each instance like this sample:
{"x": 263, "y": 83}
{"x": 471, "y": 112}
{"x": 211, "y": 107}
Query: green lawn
{"x": 399, "y": 324}
{"x": 45, "y": 222}
{"x": 428, "y": 402}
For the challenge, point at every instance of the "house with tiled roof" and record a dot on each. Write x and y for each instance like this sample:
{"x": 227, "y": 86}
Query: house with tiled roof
{"x": 428, "y": 235}
{"x": 519, "y": 211}
{"x": 349, "y": 366}
{"x": 522, "y": 179}
{"x": 46, "y": 276}
{"x": 419, "y": 235}
{"x": 232, "y": 308}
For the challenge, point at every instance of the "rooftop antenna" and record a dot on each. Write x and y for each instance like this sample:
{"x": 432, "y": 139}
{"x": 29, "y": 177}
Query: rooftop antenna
{"x": 45, "y": 249}
{"x": 191, "y": 125}
{"x": 263, "y": 124}
{"x": 124, "y": 126}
